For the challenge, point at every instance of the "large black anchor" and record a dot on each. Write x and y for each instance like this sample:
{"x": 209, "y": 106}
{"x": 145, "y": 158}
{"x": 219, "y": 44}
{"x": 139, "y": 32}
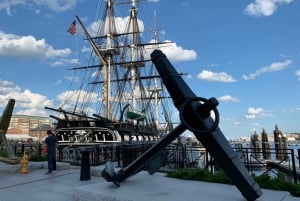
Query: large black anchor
{"x": 195, "y": 115}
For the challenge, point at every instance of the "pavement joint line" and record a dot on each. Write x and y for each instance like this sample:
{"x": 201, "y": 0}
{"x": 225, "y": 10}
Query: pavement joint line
{"x": 54, "y": 176}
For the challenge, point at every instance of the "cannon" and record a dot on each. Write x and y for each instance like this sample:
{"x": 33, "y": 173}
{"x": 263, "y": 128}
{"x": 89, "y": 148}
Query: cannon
{"x": 195, "y": 115}
{"x": 4, "y": 123}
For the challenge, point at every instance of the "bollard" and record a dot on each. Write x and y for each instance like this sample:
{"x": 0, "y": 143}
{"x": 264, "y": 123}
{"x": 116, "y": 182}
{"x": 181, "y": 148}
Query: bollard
{"x": 85, "y": 173}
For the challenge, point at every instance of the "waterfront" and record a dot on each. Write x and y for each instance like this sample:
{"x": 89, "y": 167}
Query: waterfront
{"x": 179, "y": 156}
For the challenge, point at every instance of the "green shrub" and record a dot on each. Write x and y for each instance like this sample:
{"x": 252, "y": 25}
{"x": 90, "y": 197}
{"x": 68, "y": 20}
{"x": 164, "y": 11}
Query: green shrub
{"x": 221, "y": 177}
{"x": 3, "y": 153}
{"x": 264, "y": 181}
{"x": 192, "y": 174}
{"x": 200, "y": 175}
{"x": 37, "y": 157}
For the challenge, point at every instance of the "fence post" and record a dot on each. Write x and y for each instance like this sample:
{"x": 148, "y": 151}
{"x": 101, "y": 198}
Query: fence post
{"x": 299, "y": 157}
{"x": 23, "y": 148}
{"x": 15, "y": 148}
{"x": 39, "y": 148}
{"x": 247, "y": 159}
{"x": 294, "y": 166}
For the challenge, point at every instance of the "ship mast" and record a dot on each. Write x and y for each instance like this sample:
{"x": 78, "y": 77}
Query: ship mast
{"x": 156, "y": 89}
{"x": 135, "y": 54}
{"x": 133, "y": 26}
{"x": 104, "y": 54}
{"x": 106, "y": 71}
{"x": 109, "y": 32}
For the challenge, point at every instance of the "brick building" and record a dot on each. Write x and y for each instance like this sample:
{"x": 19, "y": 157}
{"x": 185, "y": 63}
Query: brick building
{"x": 32, "y": 126}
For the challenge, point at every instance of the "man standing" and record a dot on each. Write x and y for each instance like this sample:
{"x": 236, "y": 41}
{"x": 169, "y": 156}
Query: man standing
{"x": 51, "y": 142}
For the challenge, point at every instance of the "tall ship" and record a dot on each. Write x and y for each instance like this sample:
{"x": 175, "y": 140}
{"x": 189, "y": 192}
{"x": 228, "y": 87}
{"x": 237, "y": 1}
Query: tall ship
{"x": 120, "y": 96}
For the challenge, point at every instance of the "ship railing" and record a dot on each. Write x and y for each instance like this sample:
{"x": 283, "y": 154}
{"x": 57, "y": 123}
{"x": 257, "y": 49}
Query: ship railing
{"x": 87, "y": 134}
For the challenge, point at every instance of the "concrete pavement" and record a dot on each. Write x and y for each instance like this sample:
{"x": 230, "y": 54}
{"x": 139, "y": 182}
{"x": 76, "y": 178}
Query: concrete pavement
{"x": 65, "y": 185}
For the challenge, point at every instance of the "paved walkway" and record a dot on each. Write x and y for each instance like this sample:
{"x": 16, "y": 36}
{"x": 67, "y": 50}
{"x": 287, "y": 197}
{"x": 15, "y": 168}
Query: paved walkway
{"x": 65, "y": 185}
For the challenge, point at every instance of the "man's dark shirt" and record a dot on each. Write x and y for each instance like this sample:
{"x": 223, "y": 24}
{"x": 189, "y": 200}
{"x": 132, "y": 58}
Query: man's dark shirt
{"x": 51, "y": 142}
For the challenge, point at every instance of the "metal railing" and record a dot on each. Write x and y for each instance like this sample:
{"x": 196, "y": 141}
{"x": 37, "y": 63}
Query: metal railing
{"x": 180, "y": 156}
{"x": 21, "y": 148}
{"x": 274, "y": 162}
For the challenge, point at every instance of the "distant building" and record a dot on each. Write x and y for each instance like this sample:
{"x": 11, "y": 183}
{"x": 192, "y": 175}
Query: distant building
{"x": 32, "y": 126}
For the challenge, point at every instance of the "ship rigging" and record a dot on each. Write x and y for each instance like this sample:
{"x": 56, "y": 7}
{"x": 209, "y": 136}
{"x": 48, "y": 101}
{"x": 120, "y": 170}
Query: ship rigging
{"x": 121, "y": 97}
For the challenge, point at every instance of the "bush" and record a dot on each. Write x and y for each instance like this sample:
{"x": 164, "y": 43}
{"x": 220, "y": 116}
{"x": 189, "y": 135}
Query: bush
{"x": 3, "y": 153}
{"x": 37, "y": 157}
{"x": 264, "y": 181}
{"x": 200, "y": 175}
{"x": 221, "y": 177}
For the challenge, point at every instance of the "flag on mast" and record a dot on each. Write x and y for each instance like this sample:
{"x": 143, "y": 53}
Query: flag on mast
{"x": 72, "y": 28}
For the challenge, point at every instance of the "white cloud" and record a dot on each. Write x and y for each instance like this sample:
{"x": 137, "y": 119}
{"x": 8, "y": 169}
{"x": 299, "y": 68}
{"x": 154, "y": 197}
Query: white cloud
{"x": 72, "y": 96}
{"x": 255, "y": 124}
{"x": 253, "y": 113}
{"x": 295, "y": 109}
{"x": 236, "y": 123}
{"x": 174, "y": 52}
{"x": 253, "y": 130}
{"x": 231, "y": 121}
{"x": 28, "y": 47}
{"x": 73, "y": 78}
{"x": 58, "y": 82}
{"x": 228, "y": 98}
{"x": 215, "y": 77}
{"x": 55, "y": 5}
{"x": 6, "y": 88}
{"x": 27, "y": 102}
{"x": 185, "y": 4}
{"x": 63, "y": 61}
{"x": 121, "y": 25}
{"x": 177, "y": 53}
{"x": 264, "y": 7}
{"x": 6, "y": 4}
{"x": 298, "y": 74}
{"x": 189, "y": 76}
{"x": 277, "y": 66}
{"x": 213, "y": 65}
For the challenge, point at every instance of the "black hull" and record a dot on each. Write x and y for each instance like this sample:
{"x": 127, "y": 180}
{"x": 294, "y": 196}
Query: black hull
{"x": 91, "y": 132}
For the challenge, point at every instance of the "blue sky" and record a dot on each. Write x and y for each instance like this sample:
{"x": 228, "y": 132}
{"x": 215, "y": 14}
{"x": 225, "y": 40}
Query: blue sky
{"x": 244, "y": 53}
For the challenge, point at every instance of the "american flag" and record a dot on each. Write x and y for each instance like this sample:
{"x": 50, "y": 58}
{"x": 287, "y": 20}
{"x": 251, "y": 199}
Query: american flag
{"x": 72, "y": 28}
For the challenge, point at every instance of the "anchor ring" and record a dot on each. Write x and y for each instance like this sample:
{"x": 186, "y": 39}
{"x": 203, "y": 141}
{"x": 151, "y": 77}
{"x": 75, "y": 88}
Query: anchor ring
{"x": 191, "y": 127}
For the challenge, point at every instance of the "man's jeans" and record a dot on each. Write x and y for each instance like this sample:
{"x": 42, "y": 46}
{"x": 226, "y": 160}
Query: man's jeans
{"x": 51, "y": 161}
